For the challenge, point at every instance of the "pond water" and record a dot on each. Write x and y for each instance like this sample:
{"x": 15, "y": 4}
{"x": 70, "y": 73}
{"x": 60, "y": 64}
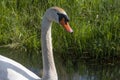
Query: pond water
{"x": 83, "y": 71}
{"x": 89, "y": 72}
{"x": 95, "y": 72}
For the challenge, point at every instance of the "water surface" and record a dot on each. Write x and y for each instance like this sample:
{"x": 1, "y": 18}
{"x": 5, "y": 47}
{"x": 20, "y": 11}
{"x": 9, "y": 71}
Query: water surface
{"x": 83, "y": 71}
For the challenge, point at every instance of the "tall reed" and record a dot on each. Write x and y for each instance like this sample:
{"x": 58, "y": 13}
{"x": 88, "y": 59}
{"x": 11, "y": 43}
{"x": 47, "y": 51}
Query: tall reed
{"x": 96, "y": 26}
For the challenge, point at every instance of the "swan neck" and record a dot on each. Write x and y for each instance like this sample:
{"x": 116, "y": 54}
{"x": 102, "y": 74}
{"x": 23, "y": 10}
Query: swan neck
{"x": 49, "y": 70}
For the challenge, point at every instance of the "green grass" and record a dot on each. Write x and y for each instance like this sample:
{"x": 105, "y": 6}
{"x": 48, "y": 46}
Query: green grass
{"x": 96, "y": 25}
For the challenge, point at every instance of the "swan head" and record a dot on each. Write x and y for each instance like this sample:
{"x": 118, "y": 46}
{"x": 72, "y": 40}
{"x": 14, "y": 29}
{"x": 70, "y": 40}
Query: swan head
{"x": 58, "y": 15}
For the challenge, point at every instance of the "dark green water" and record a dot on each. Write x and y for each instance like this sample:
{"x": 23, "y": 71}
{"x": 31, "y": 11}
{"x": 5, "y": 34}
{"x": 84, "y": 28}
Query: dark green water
{"x": 95, "y": 72}
{"x": 89, "y": 72}
{"x": 81, "y": 71}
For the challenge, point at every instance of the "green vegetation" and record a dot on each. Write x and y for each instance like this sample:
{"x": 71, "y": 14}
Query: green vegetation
{"x": 96, "y": 25}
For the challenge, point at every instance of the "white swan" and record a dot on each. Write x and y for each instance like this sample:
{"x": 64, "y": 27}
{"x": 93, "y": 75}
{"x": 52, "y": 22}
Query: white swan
{"x": 12, "y": 70}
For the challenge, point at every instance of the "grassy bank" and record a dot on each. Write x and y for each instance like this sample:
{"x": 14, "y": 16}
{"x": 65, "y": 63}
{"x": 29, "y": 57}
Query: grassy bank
{"x": 96, "y": 26}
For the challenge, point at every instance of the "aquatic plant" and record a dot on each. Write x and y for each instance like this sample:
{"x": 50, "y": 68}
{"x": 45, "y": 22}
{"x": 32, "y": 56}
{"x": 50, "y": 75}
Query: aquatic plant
{"x": 96, "y": 26}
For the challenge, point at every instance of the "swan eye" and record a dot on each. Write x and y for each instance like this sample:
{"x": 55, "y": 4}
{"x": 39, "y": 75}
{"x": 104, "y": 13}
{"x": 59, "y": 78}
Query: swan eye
{"x": 63, "y": 16}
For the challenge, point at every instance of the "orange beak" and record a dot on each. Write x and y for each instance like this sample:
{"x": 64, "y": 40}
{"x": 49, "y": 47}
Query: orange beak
{"x": 66, "y": 25}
